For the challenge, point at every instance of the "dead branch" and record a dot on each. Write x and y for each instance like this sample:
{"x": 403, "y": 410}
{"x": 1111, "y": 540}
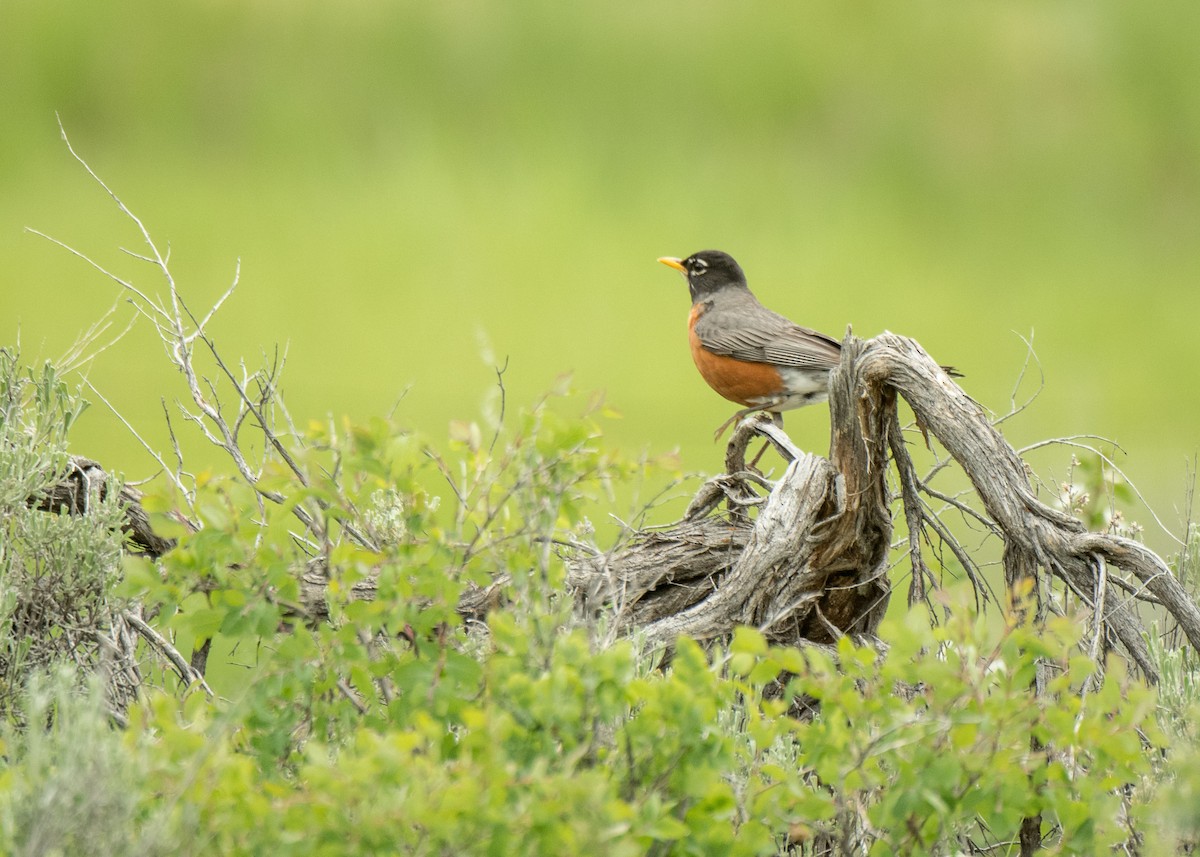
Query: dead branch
{"x": 187, "y": 673}
{"x": 84, "y": 483}
{"x": 813, "y": 563}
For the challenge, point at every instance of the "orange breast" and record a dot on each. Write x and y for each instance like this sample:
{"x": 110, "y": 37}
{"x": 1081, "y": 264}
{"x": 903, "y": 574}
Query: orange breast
{"x": 737, "y": 380}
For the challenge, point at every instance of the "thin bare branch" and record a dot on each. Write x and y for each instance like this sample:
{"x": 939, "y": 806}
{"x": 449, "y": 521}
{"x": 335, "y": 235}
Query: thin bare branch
{"x": 186, "y": 673}
{"x": 1073, "y": 441}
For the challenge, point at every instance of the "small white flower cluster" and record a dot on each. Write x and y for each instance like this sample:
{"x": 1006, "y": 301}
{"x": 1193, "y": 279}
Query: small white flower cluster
{"x": 1073, "y": 497}
{"x": 385, "y": 517}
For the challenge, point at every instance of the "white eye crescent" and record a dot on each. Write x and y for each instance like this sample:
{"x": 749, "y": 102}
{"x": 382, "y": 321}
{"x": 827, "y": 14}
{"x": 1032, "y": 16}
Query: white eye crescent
{"x": 699, "y": 266}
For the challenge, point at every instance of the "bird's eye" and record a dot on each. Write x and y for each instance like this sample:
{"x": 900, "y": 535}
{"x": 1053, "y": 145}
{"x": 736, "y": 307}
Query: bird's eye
{"x": 699, "y": 266}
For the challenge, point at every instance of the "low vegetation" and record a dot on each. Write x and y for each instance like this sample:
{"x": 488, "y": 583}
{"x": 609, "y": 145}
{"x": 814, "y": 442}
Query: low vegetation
{"x": 356, "y": 639}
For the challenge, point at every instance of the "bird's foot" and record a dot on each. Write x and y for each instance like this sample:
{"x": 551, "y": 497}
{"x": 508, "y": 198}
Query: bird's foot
{"x": 725, "y": 425}
{"x": 776, "y": 418}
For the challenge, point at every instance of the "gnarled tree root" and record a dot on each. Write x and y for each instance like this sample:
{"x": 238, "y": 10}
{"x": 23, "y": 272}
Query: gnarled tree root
{"x": 813, "y": 564}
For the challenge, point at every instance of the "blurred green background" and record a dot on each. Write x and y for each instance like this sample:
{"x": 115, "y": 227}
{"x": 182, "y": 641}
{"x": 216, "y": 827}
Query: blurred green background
{"x": 402, "y": 180}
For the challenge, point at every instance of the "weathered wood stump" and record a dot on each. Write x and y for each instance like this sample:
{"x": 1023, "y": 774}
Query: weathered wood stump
{"x": 85, "y": 482}
{"x": 813, "y": 563}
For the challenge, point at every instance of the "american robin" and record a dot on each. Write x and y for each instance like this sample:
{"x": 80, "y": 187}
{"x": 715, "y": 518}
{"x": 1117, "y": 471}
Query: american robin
{"x": 746, "y": 352}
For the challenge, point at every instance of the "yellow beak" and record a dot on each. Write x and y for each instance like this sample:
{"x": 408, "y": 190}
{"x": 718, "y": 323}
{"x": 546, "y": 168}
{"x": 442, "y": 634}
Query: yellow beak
{"x": 672, "y": 262}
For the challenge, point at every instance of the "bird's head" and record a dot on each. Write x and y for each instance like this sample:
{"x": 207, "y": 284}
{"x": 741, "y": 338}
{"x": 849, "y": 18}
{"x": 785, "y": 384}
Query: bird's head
{"x": 708, "y": 272}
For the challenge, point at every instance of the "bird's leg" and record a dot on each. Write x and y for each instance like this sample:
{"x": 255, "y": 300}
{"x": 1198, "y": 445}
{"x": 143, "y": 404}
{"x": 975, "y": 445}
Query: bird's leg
{"x": 776, "y": 418}
{"x": 721, "y": 428}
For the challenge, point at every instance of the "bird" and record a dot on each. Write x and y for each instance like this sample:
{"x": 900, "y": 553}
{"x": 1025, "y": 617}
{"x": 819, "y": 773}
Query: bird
{"x": 746, "y": 352}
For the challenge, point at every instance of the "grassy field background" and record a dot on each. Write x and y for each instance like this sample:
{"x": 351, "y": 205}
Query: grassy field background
{"x": 402, "y": 181}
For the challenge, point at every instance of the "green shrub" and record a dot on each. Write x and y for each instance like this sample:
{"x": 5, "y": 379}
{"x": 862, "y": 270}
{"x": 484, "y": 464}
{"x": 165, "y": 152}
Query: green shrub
{"x": 57, "y": 571}
{"x": 405, "y": 724}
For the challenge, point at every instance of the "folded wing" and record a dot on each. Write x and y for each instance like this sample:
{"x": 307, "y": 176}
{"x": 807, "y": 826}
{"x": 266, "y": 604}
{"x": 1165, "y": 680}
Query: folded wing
{"x": 767, "y": 337}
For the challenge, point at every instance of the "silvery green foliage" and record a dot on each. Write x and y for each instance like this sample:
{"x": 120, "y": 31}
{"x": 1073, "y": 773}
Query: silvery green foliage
{"x": 57, "y": 570}
{"x": 73, "y": 793}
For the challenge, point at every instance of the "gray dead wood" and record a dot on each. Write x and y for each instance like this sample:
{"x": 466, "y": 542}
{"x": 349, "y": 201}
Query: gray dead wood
{"x": 812, "y": 565}
{"x": 810, "y": 568}
{"x": 473, "y": 605}
{"x": 84, "y": 482}
{"x": 114, "y": 628}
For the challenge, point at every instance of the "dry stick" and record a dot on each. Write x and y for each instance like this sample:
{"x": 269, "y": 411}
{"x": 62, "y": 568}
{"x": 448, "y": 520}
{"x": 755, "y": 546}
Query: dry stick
{"x": 270, "y": 436}
{"x": 129, "y": 644}
{"x": 779, "y": 439}
{"x": 780, "y": 533}
{"x": 1047, "y": 536}
{"x": 1013, "y": 407}
{"x": 1152, "y": 571}
{"x": 988, "y": 523}
{"x": 1097, "y": 634}
{"x": 348, "y": 692}
{"x": 173, "y": 331}
{"x": 161, "y": 643}
{"x": 660, "y": 573}
{"x": 1073, "y": 441}
{"x": 145, "y": 445}
{"x": 84, "y": 350}
{"x": 979, "y": 583}
{"x": 731, "y": 484}
{"x": 913, "y": 517}
{"x": 1118, "y": 615}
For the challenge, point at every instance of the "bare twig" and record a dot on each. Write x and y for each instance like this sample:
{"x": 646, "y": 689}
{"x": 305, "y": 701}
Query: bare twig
{"x": 186, "y": 673}
{"x": 914, "y": 519}
{"x": 1073, "y": 441}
